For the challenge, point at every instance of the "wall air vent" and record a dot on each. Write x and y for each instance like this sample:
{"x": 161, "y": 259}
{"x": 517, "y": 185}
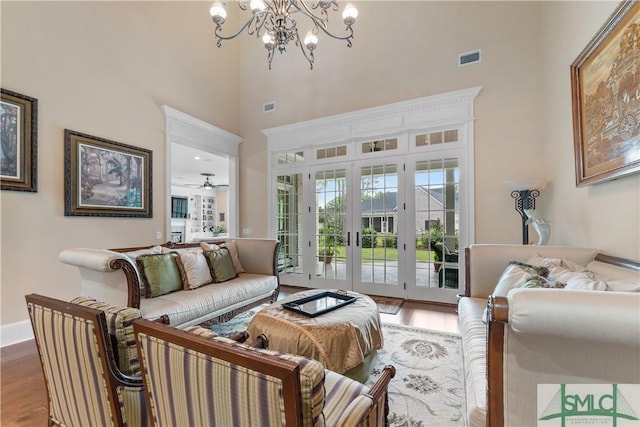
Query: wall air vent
{"x": 268, "y": 107}
{"x": 468, "y": 58}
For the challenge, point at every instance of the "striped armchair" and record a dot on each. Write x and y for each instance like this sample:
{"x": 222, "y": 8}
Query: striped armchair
{"x": 84, "y": 385}
{"x": 193, "y": 379}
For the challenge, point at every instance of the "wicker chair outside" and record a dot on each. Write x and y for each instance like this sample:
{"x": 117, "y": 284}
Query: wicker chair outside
{"x": 84, "y": 385}
{"x": 192, "y": 379}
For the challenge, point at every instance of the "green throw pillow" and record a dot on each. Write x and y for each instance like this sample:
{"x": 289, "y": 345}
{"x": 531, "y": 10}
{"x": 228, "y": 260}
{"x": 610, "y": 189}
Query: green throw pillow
{"x": 221, "y": 265}
{"x": 160, "y": 273}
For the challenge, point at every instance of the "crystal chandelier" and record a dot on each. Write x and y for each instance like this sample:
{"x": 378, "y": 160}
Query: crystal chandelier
{"x": 273, "y": 21}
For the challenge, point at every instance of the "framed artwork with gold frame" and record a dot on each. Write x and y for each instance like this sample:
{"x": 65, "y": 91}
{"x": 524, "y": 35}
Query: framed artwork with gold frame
{"x": 105, "y": 178}
{"x": 18, "y": 141}
{"x": 605, "y": 93}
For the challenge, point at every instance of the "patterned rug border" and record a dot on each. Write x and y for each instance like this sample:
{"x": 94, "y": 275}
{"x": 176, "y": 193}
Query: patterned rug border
{"x": 417, "y": 328}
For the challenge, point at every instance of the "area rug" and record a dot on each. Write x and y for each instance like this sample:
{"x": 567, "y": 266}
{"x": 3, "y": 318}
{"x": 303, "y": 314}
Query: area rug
{"x": 388, "y": 305}
{"x": 428, "y": 388}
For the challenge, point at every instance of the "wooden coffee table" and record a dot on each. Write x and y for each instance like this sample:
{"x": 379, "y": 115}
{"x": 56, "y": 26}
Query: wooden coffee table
{"x": 344, "y": 340}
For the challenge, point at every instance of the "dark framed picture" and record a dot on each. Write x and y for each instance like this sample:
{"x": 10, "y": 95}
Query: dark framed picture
{"x": 105, "y": 178}
{"x": 605, "y": 92}
{"x": 18, "y": 142}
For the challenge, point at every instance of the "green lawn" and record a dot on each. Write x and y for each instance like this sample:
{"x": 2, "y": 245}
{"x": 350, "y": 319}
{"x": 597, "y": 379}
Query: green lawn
{"x": 390, "y": 254}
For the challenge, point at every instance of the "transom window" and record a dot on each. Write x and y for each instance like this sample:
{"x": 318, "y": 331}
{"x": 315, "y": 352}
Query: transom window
{"x": 327, "y": 153}
{"x": 291, "y": 157}
{"x": 380, "y": 145}
{"x": 435, "y": 138}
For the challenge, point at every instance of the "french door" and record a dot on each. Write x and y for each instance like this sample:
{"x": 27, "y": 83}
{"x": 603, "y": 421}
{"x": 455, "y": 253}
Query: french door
{"x": 436, "y": 211}
{"x": 377, "y": 200}
{"x": 378, "y": 223}
{"x": 385, "y": 226}
{"x": 330, "y": 231}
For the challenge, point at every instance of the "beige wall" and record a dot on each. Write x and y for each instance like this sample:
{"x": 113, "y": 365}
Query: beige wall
{"x": 523, "y": 113}
{"x": 414, "y": 54}
{"x": 105, "y": 68}
{"x": 605, "y": 215}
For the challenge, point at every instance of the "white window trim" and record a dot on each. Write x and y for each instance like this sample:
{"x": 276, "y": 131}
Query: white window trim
{"x": 183, "y": 129}
{"x": 412, "y": 116}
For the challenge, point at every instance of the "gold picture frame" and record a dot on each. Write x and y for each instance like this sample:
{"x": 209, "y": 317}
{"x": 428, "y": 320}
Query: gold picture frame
{"x": 19, "y": 142}
{"x": 605, "y": 93}
{"x": 106, "y": 178}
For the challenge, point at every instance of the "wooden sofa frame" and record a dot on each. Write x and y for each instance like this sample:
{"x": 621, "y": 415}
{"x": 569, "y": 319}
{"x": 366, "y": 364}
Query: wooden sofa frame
{"x": 498, "y": 316}
{"x": 133, "y": 283}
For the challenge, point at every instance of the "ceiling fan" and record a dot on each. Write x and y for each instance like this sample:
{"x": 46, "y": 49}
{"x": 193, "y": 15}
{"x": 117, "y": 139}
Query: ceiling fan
{"x": 207, "y": 185}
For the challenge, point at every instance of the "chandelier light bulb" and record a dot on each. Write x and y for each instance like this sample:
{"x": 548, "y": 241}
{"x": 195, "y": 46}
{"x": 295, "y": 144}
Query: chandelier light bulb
{"x": 274, "y": 21}
{"x": 257, "y": 6}
{"x": 310, "y": 41}
{"x": 218, "y": 14}
{"x": 268, "y": 40}
{"x": 349, "y": 14}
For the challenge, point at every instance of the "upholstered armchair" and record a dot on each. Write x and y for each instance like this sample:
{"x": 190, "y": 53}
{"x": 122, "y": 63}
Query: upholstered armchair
{"x": 85, "y": 386}
{"x": 191, "y": 379}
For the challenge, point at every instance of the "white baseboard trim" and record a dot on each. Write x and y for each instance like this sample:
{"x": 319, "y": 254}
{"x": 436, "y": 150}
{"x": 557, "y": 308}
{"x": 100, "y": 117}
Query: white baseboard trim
{"x": 14, "y": 333}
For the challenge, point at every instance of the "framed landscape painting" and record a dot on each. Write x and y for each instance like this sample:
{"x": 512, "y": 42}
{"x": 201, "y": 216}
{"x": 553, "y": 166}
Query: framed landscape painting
{"x": 605, "y": 89}
{"x": 18, "y": 141}
{"x": 106, "y": 178}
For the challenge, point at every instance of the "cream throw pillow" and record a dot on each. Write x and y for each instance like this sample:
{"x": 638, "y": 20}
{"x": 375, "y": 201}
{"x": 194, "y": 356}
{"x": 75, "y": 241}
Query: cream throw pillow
{"x": 623, "y": 286}
{"x": 182, "y": 250}
{"x": 233, "y": 251}
{"x": 194, "y": 270}
{"x": 149, "y": 251}
{"x": 208, "y": 246}
{"x": 587, "y": 281}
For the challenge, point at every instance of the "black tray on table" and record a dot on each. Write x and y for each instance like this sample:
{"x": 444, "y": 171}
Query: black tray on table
{"x": 318, "y": 304}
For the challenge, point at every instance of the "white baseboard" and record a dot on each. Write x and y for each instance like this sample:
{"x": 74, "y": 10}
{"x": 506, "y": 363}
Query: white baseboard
{"x": 14, "y": 333}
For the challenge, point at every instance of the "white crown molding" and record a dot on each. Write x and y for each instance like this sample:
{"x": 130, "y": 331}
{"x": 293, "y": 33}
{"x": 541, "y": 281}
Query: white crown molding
{"x": 450, "y": 107}
{"x": 188, "y": 130}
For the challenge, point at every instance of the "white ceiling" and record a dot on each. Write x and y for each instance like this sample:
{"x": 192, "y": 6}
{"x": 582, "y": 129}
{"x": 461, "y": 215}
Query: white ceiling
{"x": 186, "y": 169}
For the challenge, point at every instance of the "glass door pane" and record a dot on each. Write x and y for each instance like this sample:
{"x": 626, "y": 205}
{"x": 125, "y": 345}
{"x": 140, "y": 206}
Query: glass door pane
{"x": 377, "y": 226}
{"x": 330, "y": 235}
{"x": 436, "y": 188}
{"x": 289, "y": 227}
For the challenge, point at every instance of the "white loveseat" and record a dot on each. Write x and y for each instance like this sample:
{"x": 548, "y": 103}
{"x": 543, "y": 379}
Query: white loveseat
{"x": 111, "y": 276}
{"x": 544, "y": 336}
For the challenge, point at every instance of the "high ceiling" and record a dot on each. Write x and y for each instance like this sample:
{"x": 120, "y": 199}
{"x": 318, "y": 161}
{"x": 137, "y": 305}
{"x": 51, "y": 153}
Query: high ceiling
{"x": 188, "y": 163}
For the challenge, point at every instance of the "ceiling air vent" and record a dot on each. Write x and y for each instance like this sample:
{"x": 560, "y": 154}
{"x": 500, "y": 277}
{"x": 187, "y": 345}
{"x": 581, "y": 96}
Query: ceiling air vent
{"x": 468, "y": 58}
{"x": 268, "y": 107}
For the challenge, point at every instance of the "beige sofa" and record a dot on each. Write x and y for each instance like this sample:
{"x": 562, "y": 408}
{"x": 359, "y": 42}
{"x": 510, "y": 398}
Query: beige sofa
{"x": 544, "y": 336}
{"x": 111, "y": 276}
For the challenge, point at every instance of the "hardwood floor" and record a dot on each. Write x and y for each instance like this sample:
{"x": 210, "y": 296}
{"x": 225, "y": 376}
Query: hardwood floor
{"x": 23, "y": 398}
